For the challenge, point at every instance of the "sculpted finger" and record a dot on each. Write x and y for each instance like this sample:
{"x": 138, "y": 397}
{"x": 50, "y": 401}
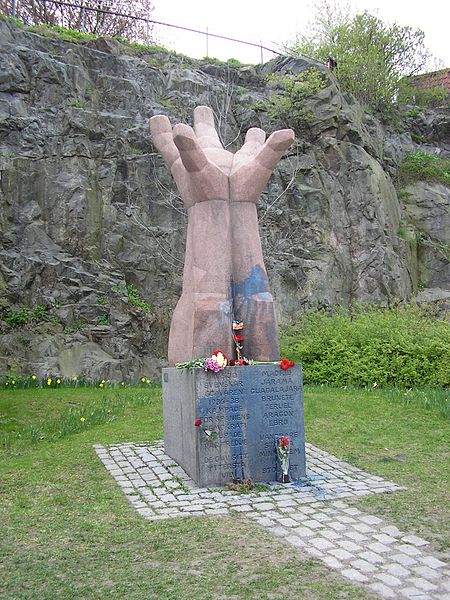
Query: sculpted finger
{"x": 255, "y": 136}
{"x": 191, "y": 154}
{"x": 268, "y": 156}
{"x": 161, "y": 132}
{"x": 204, "y": 127}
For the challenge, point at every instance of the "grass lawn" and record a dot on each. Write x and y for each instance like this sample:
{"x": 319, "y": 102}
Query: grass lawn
{"x": 69, "y": 532}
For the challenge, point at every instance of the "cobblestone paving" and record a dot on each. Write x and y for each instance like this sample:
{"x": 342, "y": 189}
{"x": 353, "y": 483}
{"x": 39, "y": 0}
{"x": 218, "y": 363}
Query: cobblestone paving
{"x": 310, "y": 514}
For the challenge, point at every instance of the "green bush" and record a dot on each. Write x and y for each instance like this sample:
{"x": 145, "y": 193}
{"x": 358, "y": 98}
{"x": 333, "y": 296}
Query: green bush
{"x": 371, "y": 346}
{"x": 422, "y": 166}
{"x": 289, "y": 107}
{"x": 425, "y": 98}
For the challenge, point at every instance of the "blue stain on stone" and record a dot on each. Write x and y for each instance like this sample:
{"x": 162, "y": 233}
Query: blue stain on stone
{"x": 255, "y": 283}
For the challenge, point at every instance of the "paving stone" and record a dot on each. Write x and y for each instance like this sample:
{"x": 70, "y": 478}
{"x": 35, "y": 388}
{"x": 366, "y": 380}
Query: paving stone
{"x": 388, "y": 579}
{"x": 426, "y": 572}
{"x": 354, "y": 575}
{"x": 378, "y": 547}
{"x": 414, "y": 540}
{"x": 371, "y": 557}
{"x": 245, "y": 508}
{"x": 397, "y": 570}
{"x": 407, "y": 549}
{"x": 348, "y": 545}
{"x": 432, "y": 562}
{"x": 340, "y": 553}
{"x": 321, "y": 543}
{"x": 264, "y": 506}
{"x": 384, "y": 538}
{"x": 370, "y": 520}
{"x": 287, "y": 522}
{"x": 363, "y": 528}
{"x": 403, "y": 559}
{"x": 332, "y": 562}
{"x": 411, "y": 592}
{"x": 363, "y": 565}
{"x": 383, "y": 590}
{"x": 295, "y": 540}
{"x": 422, "y": 584}
{"x": 355, "y": 536}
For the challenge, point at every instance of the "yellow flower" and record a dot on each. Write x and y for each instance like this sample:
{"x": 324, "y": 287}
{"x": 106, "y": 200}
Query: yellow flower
{"x": 103, "y": 381}
{"x": 123, "y": 383}
{"x": 49, "y": 381}
{"x": 101, "y": 385}
{"x": 143, "y": 379}
{"x": 74, "y": 378}
{"x": 33, "y": 377}
{"x": 58, "y": 381}
{"x": 82, "y": 419}
{"x": 148, "y": 380}
{"x": 6, "y": 383}
{"x": 13, "y": 382}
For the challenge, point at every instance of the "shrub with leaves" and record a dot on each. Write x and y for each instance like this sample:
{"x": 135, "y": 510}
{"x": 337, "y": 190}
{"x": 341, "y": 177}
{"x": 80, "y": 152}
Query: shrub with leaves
{"x": 288, "y": 107}
{"x": 371, "y": 345}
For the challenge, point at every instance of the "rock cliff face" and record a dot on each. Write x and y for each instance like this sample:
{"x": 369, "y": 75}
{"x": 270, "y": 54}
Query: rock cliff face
{"x": 89, "y": 213}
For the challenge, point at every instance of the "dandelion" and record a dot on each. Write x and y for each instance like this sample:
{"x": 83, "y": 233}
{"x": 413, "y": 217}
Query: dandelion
{"x": 103, "y": 381}
{"x": 13, "y": 382}
{"x": 33, "y": 377}
{"x": 122, "y": 383}
{"x": 58, "y": 381}
{"x": 49, "y": 381}
{"x": 101, "y": 385}
{"x": 82, "y": 419}
{"x": 148, "y": 381}
{"x": 74, "y": 378}
{"x": 142, "y": 379}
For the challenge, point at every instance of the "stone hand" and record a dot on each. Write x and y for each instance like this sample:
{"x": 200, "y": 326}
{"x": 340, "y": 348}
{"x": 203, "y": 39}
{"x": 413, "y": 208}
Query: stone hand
{"x": 204, "y": 170}
{"x": 196, "y": 158}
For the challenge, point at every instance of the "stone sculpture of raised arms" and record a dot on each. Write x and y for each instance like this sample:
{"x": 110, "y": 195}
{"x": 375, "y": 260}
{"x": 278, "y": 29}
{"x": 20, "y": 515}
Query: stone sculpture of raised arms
{"x": 224, "y": 275}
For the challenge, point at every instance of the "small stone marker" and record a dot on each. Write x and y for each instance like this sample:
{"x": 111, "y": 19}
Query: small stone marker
{"x": 244, "y": 410}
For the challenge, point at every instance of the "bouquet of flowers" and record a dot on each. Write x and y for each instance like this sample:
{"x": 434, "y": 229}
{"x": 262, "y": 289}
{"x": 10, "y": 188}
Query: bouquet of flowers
{"x": 217, "y": 362}
{"x": 283, "y": 446}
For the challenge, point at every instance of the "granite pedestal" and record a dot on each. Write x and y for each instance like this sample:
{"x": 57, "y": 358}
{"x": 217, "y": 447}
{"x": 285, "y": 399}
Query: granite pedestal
{"x": 245, "y": 410}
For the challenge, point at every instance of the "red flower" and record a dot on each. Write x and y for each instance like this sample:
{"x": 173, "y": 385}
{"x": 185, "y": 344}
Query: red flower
{"x": 240, "y": 362}
{"x": 283, "y": 441}
{"x": 232, "y": 362}
{"x": 197, "y": 422}
{"x": 239, "y": 338}
{"x": 291, "y": 364}
{"x": 285, "y": 364}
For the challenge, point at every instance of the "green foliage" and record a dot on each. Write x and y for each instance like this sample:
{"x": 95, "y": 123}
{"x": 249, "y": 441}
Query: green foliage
{"x": 371, "y": 346}
{"x": 233, "y": 62}
{"x": 16, "y": 318}
{"x": 372, "y": 57}
{"x": 103, "y": 320}
{"x": 67, "y": 35}
{"x": 134, "y": 297}
{"x": 25, "y": 315}
{"x": 142, "y": 48}
{"x": 288, "y": 107}
{"x": 422, "y": 166}
{"x": 17, "y": 22}
{"x": 425, "y": 98}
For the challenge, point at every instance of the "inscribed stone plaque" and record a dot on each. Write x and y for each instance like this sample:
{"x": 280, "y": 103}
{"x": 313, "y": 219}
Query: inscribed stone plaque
{"x": 246, "y": 409}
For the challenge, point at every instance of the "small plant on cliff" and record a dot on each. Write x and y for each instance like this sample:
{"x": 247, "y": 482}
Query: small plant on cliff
{"x": 288, "y": 107}
{"x": 134, "y": 297}
{"x": 422, "y": 166}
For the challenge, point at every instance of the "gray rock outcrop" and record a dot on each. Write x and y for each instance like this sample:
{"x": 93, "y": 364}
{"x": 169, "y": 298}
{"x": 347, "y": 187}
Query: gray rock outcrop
{"x": 89, "y": 214}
